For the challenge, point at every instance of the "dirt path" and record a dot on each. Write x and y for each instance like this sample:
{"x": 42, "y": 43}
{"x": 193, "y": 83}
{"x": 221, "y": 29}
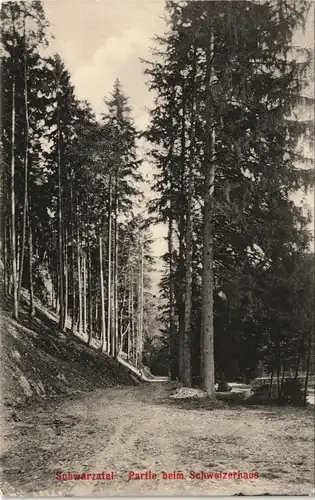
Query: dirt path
{"x": 139, "y": 429}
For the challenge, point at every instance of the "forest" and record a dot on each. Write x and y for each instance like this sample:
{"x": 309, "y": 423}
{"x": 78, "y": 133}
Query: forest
{"x": 228, "y": 141}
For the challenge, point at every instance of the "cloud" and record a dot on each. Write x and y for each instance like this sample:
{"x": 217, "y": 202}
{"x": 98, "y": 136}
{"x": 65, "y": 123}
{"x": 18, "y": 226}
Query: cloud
{"x": 116, "y": 57}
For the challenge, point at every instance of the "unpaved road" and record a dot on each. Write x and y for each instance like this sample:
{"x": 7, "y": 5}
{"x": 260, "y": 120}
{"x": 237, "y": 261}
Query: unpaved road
{"x": 140, "y": 429}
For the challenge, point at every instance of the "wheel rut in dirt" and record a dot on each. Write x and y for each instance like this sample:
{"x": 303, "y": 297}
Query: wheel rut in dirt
{"x": 123, "y": 429}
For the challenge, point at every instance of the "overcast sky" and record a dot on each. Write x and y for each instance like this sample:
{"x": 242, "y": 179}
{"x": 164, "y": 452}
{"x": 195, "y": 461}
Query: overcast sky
{"x": 101, "y": 40}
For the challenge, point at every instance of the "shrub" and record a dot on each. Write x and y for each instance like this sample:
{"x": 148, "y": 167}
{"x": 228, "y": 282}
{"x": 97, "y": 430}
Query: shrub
{"x": 293, "y": 392}
{"x": 261, "y": 392}
{"x": 223, "y": 386}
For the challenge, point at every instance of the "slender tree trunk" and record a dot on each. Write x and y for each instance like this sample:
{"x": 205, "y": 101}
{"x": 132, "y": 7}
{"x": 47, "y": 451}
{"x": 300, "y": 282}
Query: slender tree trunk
{"x": 308, "y": 364}
{"x": 18, "y": 246}
{"x": 142, "y": 286}
{"x": 66, "y": 293}
{"x": 207, "y": 334}
{"x": 6, "y": 234}
{"x": 186, "y": 367}
{"x": 66, "y": 277}
{"x": 181, "y": 257}
{"x": 138, "y": 334}
{"x": 23, "y": 242}
{"x": 96, "y": 318}
{"x": 282, "y": 381}
{"x": 122, "y": 310}
{"x": 104, "y": 346}
{"x": 173, "y": 343}
{"x": 138, "y": 327}
{"x": 30, "y": 251}
{"x": 13, "y": 222}
{"x": 278, "y": 367}
{"x": 173, "y": 364}
{"x": 21, "y": 266}
{"x": 139, "y": 342}
{"x": 60, "y": 222}
{"x": 134, "y": 350}
{"x": 9, "y": 232}
{"x": 73, "y": 298}
{"x": 129, "y": 319}
{"x": 278, "y": 381}
{"x": 5, "y": 240}
{"x": 57, "y": 293}
{"x": 3, "y": 222}
{"x": 271, "y": 382}
{"x": 84, "y": 289}
{"x": 79, "y": 278}
{"x": 186, "y": 372}
{"x": 115, "y": 338}
{"x": 121, "y": 333}
{"x": 109, "y": 277}
{"x": 142, "y": 297}
{"x": 297, "y": 366}
{"x": 90, "y": 303}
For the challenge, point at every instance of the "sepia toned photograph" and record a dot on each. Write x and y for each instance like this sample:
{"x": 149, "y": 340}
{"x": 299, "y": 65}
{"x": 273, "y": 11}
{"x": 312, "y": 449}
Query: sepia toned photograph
{"x": 157, "y": 248}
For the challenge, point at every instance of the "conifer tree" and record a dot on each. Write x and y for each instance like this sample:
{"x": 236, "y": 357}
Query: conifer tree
{"x": 246, "y": 88}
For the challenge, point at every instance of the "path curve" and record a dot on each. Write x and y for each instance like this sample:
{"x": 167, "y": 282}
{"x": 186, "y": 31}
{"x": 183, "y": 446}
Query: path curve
{"x": 140, "y": 429}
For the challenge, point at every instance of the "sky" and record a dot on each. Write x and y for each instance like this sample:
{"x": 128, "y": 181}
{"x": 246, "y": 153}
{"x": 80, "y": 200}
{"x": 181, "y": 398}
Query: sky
{"x": 101, "y": 40}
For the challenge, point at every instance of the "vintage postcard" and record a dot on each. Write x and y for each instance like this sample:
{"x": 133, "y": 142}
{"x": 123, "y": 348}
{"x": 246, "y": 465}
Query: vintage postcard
{"x": 157, "y": 248}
